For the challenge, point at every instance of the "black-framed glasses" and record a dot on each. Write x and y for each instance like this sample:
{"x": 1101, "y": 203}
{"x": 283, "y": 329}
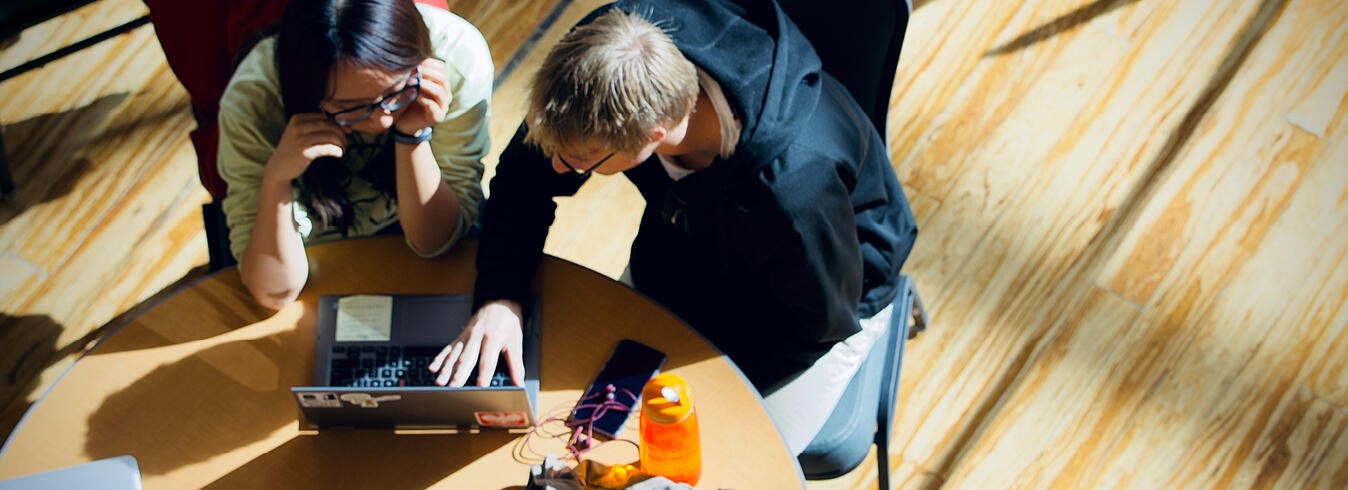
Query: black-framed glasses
{"x": 588, "y": 170}
{"x": 390, "y": 103}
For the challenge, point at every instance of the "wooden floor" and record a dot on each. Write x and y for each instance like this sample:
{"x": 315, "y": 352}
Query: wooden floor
{"x": 1134, "y": 229}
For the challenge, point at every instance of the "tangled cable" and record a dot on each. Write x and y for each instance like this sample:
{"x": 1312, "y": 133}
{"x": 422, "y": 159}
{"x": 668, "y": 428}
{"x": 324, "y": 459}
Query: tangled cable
{"x": 580, "y": 431}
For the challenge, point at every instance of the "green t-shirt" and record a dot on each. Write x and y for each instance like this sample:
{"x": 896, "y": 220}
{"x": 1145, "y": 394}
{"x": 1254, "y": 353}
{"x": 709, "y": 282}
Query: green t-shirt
{"x": 252, "y": 119}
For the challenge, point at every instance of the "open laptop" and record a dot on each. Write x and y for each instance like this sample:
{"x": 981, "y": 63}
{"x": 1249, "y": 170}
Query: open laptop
{"x": 370, "y": 367}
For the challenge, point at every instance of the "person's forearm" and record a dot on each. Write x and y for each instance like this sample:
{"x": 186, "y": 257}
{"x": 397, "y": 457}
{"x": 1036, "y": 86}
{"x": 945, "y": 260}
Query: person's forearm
{"x": 427, "y": 207}
{"x": 274, "y": 266}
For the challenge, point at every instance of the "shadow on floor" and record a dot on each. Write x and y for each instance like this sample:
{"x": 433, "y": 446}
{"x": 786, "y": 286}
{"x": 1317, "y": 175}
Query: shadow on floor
{"x": 44, "y": 153}
{"x": 49, "y": 154}
{"x": 1057, "y": 26}
{"x": 1110, "y": 237}
{"x": 9, "y": 42}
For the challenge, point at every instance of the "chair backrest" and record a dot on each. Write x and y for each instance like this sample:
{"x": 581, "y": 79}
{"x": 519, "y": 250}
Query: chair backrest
{"x": 201, "y": 41}
{"x": 859, "y": 43}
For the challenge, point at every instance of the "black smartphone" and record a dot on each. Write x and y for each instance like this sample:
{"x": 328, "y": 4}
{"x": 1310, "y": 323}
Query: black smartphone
{"x": 628, "y": 369}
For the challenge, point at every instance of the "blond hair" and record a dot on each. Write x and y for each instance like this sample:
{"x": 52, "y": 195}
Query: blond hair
{"x": 610, "y": 81}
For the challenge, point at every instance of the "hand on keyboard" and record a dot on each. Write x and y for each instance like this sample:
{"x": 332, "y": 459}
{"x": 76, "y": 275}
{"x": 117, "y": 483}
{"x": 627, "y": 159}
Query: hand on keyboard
{"x": 371, "y": 366}
{"x": 493, "y": 334}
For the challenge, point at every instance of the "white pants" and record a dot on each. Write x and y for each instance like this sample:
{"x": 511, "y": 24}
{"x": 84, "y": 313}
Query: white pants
{"x": 800, "y": 407}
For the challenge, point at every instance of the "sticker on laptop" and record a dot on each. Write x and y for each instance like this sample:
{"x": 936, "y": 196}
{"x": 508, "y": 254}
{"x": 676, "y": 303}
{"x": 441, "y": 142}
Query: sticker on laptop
{"x": 501, "y": 420}
{"x": 364, "y": 400}
{"x": 319, "y": 400}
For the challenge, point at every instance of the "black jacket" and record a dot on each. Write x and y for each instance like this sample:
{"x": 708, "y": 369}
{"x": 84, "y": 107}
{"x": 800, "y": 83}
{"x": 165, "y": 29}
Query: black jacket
{"x": 772, "y": 254}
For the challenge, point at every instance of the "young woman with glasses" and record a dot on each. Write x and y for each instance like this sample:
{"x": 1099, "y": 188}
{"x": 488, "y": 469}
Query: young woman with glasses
{"x": 359, "y": 117}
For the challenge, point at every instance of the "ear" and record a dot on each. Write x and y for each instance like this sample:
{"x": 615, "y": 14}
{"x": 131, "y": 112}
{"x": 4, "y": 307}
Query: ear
{"x": 657, "y": 134}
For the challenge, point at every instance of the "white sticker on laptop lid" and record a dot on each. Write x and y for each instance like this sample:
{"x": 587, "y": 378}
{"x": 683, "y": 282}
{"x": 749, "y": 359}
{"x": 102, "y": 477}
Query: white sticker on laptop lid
{"x": 319, "y": 400}
{"x": 364, "y": 318}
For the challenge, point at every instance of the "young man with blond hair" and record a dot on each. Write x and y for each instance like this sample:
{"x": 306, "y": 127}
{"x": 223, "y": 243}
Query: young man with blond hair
{"x": 774, "y": 224}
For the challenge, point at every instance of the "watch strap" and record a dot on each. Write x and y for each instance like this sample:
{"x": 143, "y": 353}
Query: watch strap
{"x": 413, "y": 139}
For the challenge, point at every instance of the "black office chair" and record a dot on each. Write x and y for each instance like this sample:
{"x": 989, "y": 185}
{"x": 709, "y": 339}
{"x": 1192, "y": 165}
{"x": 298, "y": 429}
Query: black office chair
{"x": 859, "y": 44}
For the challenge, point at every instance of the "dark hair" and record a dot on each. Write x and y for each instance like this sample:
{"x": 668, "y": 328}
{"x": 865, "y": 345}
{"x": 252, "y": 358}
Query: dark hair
{"x": 314, "y": 36}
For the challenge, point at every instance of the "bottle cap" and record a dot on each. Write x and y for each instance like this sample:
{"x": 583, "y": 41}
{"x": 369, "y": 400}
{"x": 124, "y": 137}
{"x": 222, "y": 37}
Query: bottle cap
{"x": 666, "y": 399}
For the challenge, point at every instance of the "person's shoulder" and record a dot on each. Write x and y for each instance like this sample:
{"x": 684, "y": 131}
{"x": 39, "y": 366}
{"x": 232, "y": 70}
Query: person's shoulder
{"x": 447, "y": 29}
{"x": 457, "y": 41}
{"x": 259, "y": 64}
{"x": 255, "y": 82}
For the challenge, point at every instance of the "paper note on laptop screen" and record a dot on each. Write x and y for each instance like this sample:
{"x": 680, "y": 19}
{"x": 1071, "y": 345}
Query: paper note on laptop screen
{"x": 364, "y": 318}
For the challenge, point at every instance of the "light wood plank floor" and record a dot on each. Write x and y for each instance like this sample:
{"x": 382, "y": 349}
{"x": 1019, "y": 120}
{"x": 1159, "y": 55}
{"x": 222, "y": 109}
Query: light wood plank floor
{"x": 1134, "y": 230}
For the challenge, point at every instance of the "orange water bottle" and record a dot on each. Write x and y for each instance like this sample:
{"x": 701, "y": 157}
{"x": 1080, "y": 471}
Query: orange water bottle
{"x": 670, "y": 446}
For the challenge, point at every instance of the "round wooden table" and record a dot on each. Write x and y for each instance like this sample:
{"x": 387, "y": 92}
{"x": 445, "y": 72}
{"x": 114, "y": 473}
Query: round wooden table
{"x": 196, "y": 387}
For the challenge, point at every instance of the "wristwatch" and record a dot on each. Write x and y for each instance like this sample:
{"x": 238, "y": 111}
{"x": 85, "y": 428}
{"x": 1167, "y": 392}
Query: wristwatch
{"x": 413, "y": 139}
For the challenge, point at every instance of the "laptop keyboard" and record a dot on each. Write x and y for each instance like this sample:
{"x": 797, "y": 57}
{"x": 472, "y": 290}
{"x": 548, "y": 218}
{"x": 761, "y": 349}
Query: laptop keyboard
{"x": 385, "y": 366}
